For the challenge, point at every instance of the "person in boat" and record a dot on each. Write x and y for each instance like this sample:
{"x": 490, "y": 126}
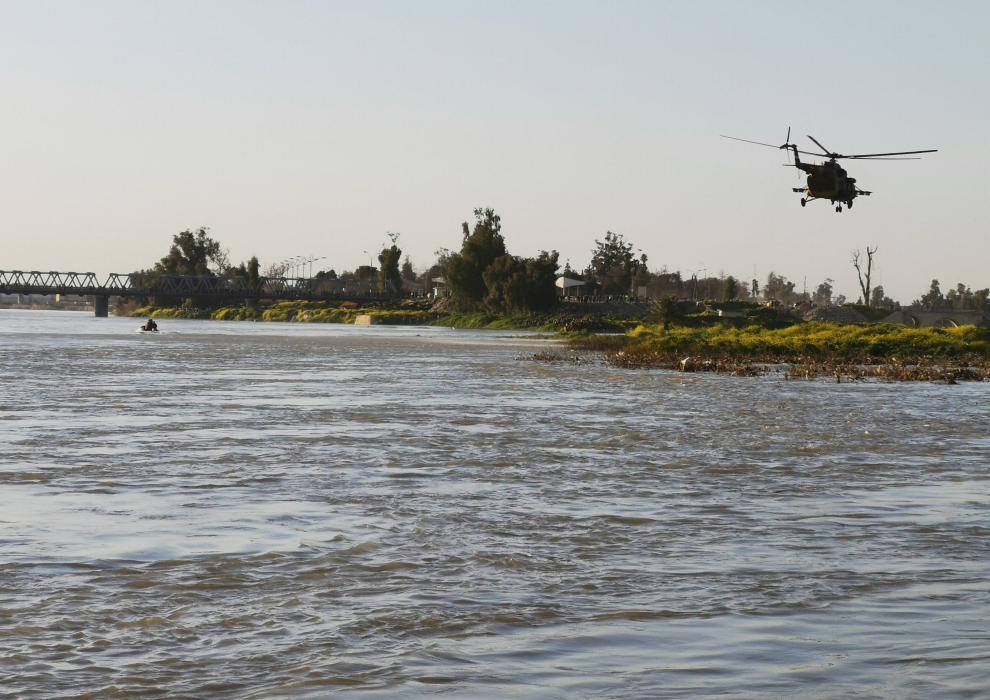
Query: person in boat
{"x": 150, "y": 325}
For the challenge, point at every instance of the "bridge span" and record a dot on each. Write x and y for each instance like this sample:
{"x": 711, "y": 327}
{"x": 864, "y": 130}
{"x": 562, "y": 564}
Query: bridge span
{"x": 212, "y": 289}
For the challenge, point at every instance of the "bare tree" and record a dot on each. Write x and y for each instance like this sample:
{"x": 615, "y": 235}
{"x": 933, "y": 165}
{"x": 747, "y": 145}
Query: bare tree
{"x": 220, "y": 257}
{"x": 864, "y": 279}
{"x": 275, "y": 270}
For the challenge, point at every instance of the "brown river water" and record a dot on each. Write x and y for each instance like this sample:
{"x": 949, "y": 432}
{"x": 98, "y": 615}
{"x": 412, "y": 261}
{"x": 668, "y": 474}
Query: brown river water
{"x": 249, "y": 510}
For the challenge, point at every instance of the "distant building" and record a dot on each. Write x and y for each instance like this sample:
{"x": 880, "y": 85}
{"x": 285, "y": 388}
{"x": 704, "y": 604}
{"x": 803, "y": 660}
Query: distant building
{"x": 569, "y": 287}
{"x": 439, "y": 288}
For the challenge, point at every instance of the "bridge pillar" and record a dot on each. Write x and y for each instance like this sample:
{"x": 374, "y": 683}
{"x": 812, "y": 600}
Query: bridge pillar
{"x": 102, "y": 306}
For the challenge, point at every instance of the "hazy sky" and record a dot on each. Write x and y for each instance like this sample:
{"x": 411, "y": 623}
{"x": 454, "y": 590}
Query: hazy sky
{"x": 296, "y": 128}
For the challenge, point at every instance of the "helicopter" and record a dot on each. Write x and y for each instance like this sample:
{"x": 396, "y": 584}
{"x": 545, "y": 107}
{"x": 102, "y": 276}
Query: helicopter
{"x": 830, "y": 180}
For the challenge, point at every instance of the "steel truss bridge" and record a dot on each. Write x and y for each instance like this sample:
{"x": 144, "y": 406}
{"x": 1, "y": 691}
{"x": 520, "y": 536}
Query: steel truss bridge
{"x": 171, "y": 288}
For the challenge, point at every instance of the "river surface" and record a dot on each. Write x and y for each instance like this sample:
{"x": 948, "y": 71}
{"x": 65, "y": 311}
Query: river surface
{"x": 251, "y": 510}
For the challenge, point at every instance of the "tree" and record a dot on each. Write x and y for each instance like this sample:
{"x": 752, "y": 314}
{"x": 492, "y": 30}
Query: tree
{"x": 366, "y": 272}
{"x": 641, "y": 278}
{"x": 190, "y": 254}
{"x": 480, "y": 248}
{"x": 591, "y": 284}
{"x": 250, "y": 272}
{"x": 877, "y": 297}
{"x": 730, "y": 288}
{"x": 823, "y": 294}
{"x": 960, "y": 298}
{"x": 505, "y": 280}
{"x": 276, "y": 269}
{"x": 541, "y": 280}
{"x": 518, "y": 285}
{"x": 614, "y": 264}
{"x": 777, "y": 287}
{"x": 408, "y": 273}
{"x": 864, "y": 279}
{"x": 933, "y": 298}
{"x": 665, "y": 282}
{"x": 664, "y": 310}
{"x": 389, "y": 260}
{"x": 880, "y": 300}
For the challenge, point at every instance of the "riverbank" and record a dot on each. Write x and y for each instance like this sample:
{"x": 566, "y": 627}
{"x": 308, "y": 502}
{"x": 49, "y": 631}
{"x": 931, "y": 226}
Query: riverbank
{"x": 403, "y": 313}
{"x": 807, "y": 350}
{"x": 297, "y": 312}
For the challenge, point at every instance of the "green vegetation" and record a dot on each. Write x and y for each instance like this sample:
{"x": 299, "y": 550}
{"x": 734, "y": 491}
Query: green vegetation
{"x": 664, "y": 311}
{"x": 191, "y": 254}
{"x": 614, "y": 269}
{"x": 295, "y": 311}
{"x": 483, "y": 276}
{"x": 809, "y": 350}
{"x": 493, "y": 322}
{"x": 389, "y": 260}
{"x": 962, "y": 297}
{"x": 406, "y": 313}
{"x": 567, "y": 325}
{"x": 803, "y": 341}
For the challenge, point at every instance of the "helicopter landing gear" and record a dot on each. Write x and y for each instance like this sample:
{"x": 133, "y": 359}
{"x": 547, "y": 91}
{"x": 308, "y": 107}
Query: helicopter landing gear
{"x": 849, "y": 204}
{"x": 839, "y": 209}
{"x": 804, "y": 202}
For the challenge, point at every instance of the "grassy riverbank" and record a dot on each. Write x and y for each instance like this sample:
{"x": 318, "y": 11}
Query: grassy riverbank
{"x": 409, "y": 313}
{"x": 295, "y": 311}
{"x": 804, "y": 350}
{"x": 539, "y": 322}
{"x": 813, "y": 339}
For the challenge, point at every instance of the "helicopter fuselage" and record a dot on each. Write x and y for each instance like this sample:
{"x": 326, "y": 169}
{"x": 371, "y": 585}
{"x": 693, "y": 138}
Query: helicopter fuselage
{"x": 827, "y": 181}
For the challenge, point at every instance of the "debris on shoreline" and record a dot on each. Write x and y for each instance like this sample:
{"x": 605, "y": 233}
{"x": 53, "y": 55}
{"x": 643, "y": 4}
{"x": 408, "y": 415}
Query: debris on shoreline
{"x": 921, "y": 369}
{"x": 555, "y": 356}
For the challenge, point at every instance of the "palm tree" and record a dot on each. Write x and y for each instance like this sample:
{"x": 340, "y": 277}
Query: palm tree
{"x": 664, "y": 310}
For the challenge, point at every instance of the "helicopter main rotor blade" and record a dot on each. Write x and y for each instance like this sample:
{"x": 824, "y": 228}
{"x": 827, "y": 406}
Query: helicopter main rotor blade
{"x": 899, "y": 153}
{"x": 809, "y": 153}
{"x": 758, "y": 143}
{"x": 880, "y": 158}
{"x": 827, "y": 152}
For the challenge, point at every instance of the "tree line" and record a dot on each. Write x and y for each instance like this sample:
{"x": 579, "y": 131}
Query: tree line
{"x": 483, "y": 276}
